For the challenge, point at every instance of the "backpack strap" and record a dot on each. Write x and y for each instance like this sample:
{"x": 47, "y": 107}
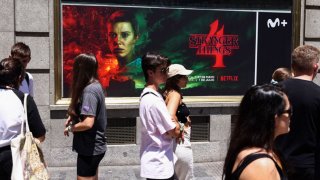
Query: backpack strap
{"x": 148, "y": 93}
{"x": 27, "y": 78}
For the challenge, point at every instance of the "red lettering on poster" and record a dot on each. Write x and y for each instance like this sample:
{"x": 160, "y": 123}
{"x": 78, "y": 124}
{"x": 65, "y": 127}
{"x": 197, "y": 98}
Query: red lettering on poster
{"x": 229, "y": 78}
{"x": 215, "y": 43}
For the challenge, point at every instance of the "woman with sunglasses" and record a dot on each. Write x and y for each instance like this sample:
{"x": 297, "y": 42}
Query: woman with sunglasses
{"x": 177, "y": 79}
{"x": 264, "y": 114}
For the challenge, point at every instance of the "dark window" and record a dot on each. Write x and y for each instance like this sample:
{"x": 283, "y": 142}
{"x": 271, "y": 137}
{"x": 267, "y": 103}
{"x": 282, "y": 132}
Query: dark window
{"x": 121, "y": 131}
{"x": 200, "y": 128}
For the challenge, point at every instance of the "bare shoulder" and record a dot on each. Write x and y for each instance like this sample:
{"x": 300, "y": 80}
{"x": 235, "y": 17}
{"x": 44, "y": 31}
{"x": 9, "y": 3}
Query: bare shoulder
{"x": 173, "y": 95}
{"x": 262, "y": 168}
{"x": 263, "y": 163}
{"x": 244, "y": 153}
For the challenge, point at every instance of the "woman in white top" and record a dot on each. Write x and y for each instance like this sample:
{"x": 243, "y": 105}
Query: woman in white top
{"x": 12, "y": 111}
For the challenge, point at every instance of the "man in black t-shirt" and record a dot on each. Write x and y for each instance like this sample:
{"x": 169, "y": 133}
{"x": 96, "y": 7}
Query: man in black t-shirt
{"x": 301, "y": 146}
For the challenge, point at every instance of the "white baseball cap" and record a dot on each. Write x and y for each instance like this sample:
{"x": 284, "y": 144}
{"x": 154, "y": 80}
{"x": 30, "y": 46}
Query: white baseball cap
{"x": 178, "y": 69}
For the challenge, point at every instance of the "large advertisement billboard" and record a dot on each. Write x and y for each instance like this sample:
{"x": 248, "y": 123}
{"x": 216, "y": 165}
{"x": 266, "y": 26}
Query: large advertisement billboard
{"x": 229, "y": 50}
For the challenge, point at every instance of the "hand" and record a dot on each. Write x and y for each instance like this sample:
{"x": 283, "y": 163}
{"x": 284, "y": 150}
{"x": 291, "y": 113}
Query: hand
{"x": 66, "y": 132}
{"x": 180, "y": 138}
{"x": 68, "y": 121}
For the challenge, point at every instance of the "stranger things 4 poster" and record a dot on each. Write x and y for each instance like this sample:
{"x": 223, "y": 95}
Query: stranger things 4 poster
{"x": 219, "y": 45}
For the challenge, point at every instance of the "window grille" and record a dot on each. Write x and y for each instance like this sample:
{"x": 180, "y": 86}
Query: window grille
{"x": 121, "y": 131}
{"x": 200, "y": 128}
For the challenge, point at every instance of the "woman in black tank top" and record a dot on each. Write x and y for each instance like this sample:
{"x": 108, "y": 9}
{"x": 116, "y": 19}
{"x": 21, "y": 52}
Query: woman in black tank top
{"x": 264, "y": 114}
{"x": 177, "y": 79}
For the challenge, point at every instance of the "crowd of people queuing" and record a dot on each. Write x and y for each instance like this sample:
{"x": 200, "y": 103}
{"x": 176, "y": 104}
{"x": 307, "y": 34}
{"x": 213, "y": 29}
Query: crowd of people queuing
{"x": 276, "y": 135}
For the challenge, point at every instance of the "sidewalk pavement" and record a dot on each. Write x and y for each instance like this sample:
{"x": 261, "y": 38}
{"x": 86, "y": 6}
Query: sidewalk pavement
{"x": 202, "y": 171}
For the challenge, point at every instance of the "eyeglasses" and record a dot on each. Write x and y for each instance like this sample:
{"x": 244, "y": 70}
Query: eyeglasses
{"x": 289, "y": 111}
{"x": 163, "y": 70}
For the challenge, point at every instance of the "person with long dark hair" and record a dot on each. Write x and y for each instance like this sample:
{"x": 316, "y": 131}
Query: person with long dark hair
{"x": 87, "y": 116}
{"x": 177, "y": 79}
{"x": 12, "y": 112}
{"x": 264, "y": 114}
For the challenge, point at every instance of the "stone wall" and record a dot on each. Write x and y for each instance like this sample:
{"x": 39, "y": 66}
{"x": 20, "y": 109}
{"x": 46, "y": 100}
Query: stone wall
{"x": 310, "y": 25}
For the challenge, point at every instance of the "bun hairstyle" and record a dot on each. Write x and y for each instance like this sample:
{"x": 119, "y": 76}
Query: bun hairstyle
{"x": 11, "y": 72}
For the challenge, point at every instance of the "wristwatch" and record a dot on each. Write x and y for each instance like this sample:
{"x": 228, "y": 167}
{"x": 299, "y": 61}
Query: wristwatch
{"x": 181, "y": 127}
{"x": 69, "y": 128}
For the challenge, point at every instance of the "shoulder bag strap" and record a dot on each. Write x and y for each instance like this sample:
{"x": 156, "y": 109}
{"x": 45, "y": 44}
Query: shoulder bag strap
{"x": 25, "y": 113}
{"x": 27, "y": 79}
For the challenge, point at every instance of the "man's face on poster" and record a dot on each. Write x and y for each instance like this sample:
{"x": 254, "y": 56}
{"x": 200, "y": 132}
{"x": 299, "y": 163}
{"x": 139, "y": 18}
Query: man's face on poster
{"x": 121, "y": 40}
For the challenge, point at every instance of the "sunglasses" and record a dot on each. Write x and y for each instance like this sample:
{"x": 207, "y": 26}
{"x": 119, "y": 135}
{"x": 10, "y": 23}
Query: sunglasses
{"x": 289, "y": 111}
{"x": 163, "y": 70}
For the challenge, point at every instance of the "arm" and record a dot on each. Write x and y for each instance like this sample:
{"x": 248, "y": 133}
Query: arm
{"x": 68, "y": 121}
{"x": 35, "y": 123}
{"x": 188, "y": 123}
{"x": 31, "y": 85}
{"x": 90, "y": 101}
{"x": 173, "y": 101}
{"x": 84, "y": 125}
{"x": 160, "y": 118}
{"x": 175, "y": 132}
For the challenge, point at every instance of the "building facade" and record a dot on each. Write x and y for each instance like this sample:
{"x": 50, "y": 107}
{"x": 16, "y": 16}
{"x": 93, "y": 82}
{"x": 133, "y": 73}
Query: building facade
{"x": 35, "y": 23}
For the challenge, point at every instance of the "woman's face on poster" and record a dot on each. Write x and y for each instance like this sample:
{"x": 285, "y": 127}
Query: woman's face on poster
{"x": 121, "y": 39}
